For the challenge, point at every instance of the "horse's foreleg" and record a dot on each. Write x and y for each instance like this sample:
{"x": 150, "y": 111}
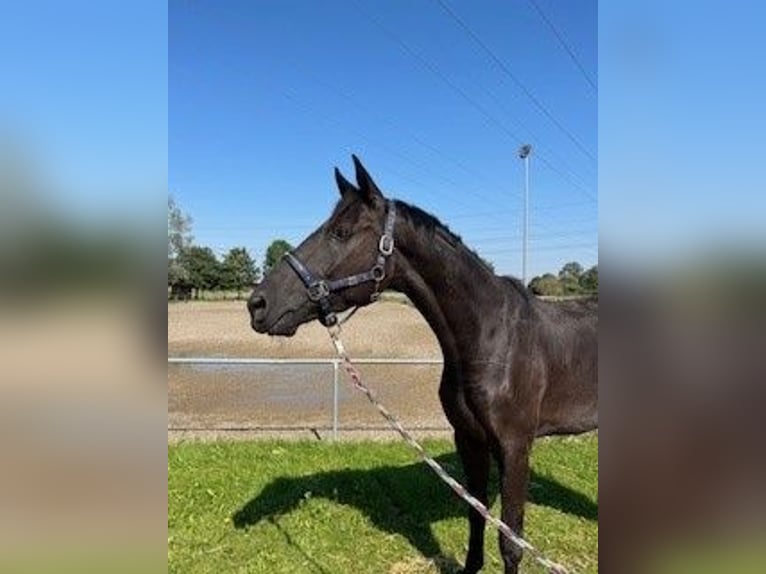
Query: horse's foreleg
{"x": 513, "y": 460}
{"x": 474, "y": 455}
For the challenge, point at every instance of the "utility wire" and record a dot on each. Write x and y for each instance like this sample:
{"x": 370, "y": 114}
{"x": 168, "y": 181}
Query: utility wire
{"x": 420, "y": 185}
{"x": 538, "y": 104}
{"x": 498, "y": 251}
{"x": 387, "y": 120}
{"x": 391, "y": 151}
{"x": 488, "y": 117}
{"x": 564, "y": 44}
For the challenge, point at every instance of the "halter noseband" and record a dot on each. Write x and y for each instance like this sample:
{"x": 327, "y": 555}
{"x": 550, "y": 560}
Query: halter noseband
{"x": 319, "y": 289}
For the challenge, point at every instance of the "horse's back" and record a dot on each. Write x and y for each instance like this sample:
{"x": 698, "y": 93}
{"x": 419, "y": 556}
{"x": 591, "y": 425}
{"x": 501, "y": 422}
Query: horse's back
{"x": 577, "y": 308}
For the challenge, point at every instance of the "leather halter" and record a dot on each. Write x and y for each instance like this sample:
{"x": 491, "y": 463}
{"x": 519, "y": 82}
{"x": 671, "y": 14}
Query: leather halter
{"x": 319, "y": 289}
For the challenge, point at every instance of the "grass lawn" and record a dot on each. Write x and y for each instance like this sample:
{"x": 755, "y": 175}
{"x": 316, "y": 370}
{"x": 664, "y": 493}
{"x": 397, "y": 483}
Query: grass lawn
{"x": 366, "y": 507}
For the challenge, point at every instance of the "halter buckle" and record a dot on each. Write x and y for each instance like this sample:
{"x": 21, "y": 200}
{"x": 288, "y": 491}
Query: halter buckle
{"x": 386, "y": 245}
{"x": 318, "y": 290}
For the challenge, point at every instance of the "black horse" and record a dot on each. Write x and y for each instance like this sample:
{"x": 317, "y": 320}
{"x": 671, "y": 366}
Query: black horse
{"x": 515, "y": 367}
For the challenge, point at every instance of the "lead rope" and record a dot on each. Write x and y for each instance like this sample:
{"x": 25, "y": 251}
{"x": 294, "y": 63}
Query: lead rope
{"x": 356, "y": 379}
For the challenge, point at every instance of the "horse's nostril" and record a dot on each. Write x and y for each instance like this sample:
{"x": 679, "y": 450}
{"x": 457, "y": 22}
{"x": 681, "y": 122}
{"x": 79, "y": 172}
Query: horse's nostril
{"x": 256, "y": 305}
{"x": 259, "y": 302}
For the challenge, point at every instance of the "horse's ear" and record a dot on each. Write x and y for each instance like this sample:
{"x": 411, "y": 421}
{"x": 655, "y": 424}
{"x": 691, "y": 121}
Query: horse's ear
{"x": 366, "y": 185}
{"x": 344, "y": 186}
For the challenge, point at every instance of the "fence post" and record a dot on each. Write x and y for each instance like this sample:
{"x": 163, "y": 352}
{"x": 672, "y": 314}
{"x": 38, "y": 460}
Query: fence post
{"x": 335, "y": 390}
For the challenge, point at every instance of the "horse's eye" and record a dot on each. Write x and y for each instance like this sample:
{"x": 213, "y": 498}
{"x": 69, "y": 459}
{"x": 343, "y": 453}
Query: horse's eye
{"x": 341, "y": 233}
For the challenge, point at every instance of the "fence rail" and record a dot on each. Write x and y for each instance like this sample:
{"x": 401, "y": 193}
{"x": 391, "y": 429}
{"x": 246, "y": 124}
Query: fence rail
{"x": 335, "y": 363}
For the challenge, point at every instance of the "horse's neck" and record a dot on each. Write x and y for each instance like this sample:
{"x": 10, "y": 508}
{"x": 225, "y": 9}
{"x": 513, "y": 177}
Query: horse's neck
{"x": 456, "y": 294}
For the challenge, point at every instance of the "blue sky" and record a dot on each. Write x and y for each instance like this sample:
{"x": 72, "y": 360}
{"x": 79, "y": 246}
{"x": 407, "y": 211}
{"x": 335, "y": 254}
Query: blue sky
{"x": 84, "y": 102}
{"x": 265, "y": 98}
{"x": 681, "y": 130}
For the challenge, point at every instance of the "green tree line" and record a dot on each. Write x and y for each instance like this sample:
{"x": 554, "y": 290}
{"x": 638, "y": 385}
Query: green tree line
{"x": 572, "y": 279}
{"x": 195, "y": 268}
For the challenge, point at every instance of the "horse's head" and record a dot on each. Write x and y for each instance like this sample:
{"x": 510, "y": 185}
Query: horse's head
{"x": 342, "y": 264}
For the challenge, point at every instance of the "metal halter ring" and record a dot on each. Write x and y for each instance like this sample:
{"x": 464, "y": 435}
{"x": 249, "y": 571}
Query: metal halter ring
{"x": 318, "y": 290}
{"x": 378, "y": 273}
{"x": 386, "y": 245}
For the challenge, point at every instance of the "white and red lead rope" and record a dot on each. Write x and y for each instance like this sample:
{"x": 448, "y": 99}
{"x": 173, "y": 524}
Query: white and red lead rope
{"x": 460, "y": 490}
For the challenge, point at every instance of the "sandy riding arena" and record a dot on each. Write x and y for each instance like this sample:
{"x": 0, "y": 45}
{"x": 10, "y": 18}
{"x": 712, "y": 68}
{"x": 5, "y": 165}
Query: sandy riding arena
{"x": 245, "y": 401}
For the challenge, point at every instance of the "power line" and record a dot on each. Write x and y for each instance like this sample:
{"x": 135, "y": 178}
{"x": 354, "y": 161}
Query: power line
{"x": 533, "y": 139}
{"x": 502, "y": 250}
{"x": 538, "y": 104}
{"x": 494, "y": 214}
{"x": 496, "y": 235}
{"x": 455, "y": 217}
{"x": 563, "y": 44}
{"x": 488, "y": 117}
{"x": 391, "y": 151}
{"x": 386, "y": 119}
{"x": 421, "y": 165}
{"x": 517, "y": 210}
{"x": 583, "y": 189}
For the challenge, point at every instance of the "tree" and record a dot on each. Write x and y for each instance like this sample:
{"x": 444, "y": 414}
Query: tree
{"x": 238, "y": 270}
{"x": 179, "y": 229}
{"x": 571, "y": 270}
{"x": 569, "y": 276}
{"x": 177, "y": 273}
{"x": 203, "y": 267}
{"x": 179, "y": 281}
{"x": 179, "y": 239}
{"x": 274, "y": 254}
{"x": 548, "y": 284}
{"x": 589, "y": 280}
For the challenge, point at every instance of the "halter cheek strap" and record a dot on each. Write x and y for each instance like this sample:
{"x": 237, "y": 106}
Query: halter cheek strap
{"x": 319, "y": 289}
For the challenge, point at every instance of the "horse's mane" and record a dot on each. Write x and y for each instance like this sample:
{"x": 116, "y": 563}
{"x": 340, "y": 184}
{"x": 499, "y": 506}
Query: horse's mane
{"x": 433, "y": 225}
{"x": 422, "y": 218}
{"x": 516, "y": 284}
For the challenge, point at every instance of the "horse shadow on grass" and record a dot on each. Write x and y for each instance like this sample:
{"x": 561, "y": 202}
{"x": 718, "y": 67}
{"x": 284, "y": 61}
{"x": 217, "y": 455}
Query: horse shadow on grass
{"x": 403, "y": 500}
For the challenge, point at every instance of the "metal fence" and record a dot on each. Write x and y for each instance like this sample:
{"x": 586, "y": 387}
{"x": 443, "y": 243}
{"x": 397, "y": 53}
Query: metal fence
{"x": 334, "y": 362}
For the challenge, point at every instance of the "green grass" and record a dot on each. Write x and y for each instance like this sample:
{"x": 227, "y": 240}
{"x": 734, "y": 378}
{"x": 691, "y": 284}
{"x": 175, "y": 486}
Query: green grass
{"x": 307, "y": 507}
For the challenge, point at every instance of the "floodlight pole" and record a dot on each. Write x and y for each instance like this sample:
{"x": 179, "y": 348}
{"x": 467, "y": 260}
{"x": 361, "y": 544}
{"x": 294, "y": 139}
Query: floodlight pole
{"x": 524, "y": 152}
